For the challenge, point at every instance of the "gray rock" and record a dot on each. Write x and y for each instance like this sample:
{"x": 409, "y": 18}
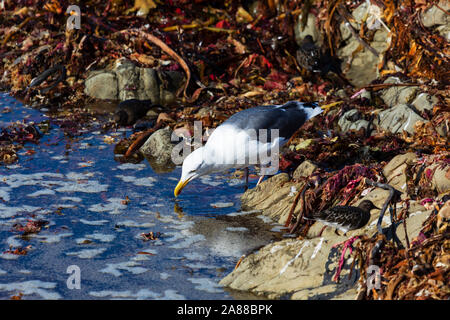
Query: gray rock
{"x": 444, "y": 31}
{"x": 305, "y": 169}
{"x": 363, "y": 69}
{"x": 158, "y": 150}
{"x": 397, "y": 94}
{"x": 424, "y": 101}
{"x": 149, "y": 87}
{"x": 303, "y": 268}
{"x": 440, "y": 182}
{"x": 351, "y": 121}
{"x": 395, "y": 170}
{"x": 127, "y": 81}
{"x": 360, "y": 13}
{"x": 310, "y": 29}
{"x": 102, "y": 85}
{"x": 275, "y": 205}
{"x": 398, "y": 118}
{"x": 435, "y": 16}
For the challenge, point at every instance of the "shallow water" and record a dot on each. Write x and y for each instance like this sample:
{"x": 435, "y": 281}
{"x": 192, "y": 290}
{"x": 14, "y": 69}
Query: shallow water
{"x": 76, "y": 185}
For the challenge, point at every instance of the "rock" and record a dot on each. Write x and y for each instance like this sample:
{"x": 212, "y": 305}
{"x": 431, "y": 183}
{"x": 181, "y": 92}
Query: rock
{"x": 398, "y": 95}
{"x": 444, "y": 31}
{"x": 149, "y": 87}
{"x": 363, "y": 69}
{"x": 360, "y": 13}
{"x": 126, "y": 81}
{"x": 435, "y": 16}
{"x": 424, "y": 101}
{"x": 398, "y": 118}
{"x": 304, "y": 268}
{"x": 272, "y": 196}
{"x": 285, "y": 267}
{"x": 440, "y": 181}
{"x": 351, "y": 121}
{"x": 158, "y": 150}
{"x": 305, "y": 169}
{"x": 102, "y": 85}
{"x": 395, "y": 170}
{"x": 310, "y": 29}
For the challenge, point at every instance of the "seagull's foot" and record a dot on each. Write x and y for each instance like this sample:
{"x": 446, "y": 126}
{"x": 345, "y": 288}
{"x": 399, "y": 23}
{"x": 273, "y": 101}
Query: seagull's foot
{"x": 347, "y": 245}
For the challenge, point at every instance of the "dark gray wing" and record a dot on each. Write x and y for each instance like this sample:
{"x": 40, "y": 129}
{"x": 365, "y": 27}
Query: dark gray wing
{"x": 286, "y": 118}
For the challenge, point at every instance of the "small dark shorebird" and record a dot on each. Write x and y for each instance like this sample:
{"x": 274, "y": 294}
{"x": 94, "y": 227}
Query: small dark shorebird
{"x": 130, "y": 111}
{"x": 308, "y": 55}
{"x": 313, "y": 59}
{"x": 345, "y": 218}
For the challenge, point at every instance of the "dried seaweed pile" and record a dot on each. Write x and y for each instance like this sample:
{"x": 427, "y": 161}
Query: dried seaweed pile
{"x": 419, "y": 271}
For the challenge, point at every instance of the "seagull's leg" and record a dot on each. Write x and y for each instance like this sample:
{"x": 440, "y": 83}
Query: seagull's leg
{"x": 246, "y": 173}
{"x": 260, "y": 179}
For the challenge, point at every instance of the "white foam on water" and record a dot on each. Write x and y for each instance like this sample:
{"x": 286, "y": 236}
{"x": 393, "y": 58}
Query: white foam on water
{"x": 87, "y": 253}
{"x": 236, "y": 229}
{"x": 114, "y": 206}
{"x": 189, "y": 241}
{"x": 8, "y": 212}
{"x": 9, "y": 256}
{"x": 131, "y": 166}
{"x": 172, "y": 295}
{"x": 130, "y": 266}
{"x": 162, "y": 275}
{"x": 135, "y": 224}
{"x": 53, "y": 238}
{"x": 94, "y": 222}
{"x": 43, "y": 192}
{"x": 30, "y": 287}
{"x": 101, "y": 237}
{"x": 205, "y": 284}
{"x": 144, "y": 182}
{"x": 222, "y": 204}
{"x": 4, "y": 193}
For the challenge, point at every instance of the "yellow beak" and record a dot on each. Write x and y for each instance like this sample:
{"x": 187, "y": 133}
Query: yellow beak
{"x": 179, "y": 187}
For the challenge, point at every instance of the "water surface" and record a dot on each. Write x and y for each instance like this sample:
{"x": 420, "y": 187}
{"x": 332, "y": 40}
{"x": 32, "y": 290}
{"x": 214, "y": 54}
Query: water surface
{"x": 97, "y": 210}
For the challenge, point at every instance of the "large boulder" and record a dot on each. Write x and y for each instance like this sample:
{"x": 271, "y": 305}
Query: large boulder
{"x": 305, "y": 169}
{"x": 304, "y": 268}
{"x": 351, "y": 120}
{"x": 395, "y": 170}
{"x": 310, "y": 29}
{"x": 397, "y": 119}
{"x": 436, "y": 16}
{"x": 158, "y": 150}
{"x": 102, "y": 85}
{"x": 126, "y": 81}
{"x": 275, "y": 205}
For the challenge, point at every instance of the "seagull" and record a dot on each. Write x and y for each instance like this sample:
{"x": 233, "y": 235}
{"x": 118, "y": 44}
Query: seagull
{"x": 247, "y": 138}
{"x": 345, "y": 218}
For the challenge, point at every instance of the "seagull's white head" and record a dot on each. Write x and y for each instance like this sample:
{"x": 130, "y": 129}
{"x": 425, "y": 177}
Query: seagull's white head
{"x": 193, "y": 166}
